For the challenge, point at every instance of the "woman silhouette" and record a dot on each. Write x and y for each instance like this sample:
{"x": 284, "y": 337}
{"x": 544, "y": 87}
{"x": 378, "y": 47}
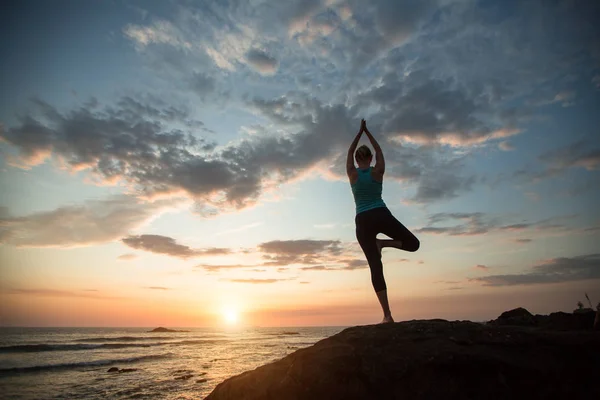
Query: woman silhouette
{"x": 372, "y": 215}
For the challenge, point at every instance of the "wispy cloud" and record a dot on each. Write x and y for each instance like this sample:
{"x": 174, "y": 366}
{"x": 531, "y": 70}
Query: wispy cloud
{"x": 562, "y": 269}
{"x": 262, "y": 62}
{"x": 168, "y": 246}
{"x": 522, "y": 240}
{"x": 255, "y": 281}
{"x": 93, "y": 222}
{"x": 127, "y": 257}
{"x": 43, "y": 292}
{"x": 286, "y": 252}
{"x": 156, "y": 288}
{"x": 477, "y": 223}
{"x": 218, "y": 267}
{"x": 482, "y": 267}
{"x": 239, "y": 229}
{"x": 506, "y": 146}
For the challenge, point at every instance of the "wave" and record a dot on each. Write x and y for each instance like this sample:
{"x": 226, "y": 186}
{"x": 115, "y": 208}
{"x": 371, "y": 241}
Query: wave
{"x": 283, "y": 333}
{"x": 97, "y": 363}
{"x": 35, "y": 348}
{"x": 101, "y": 339}
{"x": 123, "y": 339}
{"x": 201, "y": 341}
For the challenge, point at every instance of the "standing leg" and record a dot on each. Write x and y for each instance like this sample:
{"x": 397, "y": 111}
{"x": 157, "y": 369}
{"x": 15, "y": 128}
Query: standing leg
{"x": 368, "y": 243}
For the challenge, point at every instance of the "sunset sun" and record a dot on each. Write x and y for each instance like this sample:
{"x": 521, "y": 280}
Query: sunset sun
{"x": 230, "y": 316}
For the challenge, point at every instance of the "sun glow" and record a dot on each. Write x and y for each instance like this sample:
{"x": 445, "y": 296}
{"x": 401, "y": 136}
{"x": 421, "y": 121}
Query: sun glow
{"x": 231, "y": 316}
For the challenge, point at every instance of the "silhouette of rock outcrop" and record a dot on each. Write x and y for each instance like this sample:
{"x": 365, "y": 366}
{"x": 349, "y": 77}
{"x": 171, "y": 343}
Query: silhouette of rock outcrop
{"x": 161, "y": 329}
{"x": 433, "y": 359}
{"x": 560, "y": 321}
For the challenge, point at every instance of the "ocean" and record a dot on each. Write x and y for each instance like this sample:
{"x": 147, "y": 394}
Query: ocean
{"x": 73, "y": 363}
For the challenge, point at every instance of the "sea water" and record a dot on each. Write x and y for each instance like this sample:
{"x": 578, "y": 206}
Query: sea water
{"x": 73, "y": 363}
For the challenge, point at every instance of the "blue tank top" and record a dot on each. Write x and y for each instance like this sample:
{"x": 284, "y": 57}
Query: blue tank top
{"x": 367, "y": 191}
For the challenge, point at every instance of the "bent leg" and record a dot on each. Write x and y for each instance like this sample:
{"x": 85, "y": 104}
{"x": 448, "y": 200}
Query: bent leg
{"x": 402, "y": 238}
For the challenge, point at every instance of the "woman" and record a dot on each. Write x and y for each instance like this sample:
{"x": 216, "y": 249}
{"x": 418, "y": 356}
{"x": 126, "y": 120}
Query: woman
{"x": 372, "y": 215}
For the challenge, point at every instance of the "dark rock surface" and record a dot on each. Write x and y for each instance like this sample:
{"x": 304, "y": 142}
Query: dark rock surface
{"x": 161, "y": 329}
{"x": 558, "y": 321}
{"x": 432, "y": 359}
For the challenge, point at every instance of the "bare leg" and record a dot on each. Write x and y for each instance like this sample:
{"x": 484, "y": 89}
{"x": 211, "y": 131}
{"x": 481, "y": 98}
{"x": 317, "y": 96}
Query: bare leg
{"x": 383, "y": 300}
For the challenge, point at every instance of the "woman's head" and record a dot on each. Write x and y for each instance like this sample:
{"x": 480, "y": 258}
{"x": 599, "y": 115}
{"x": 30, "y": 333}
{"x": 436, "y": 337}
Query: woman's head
{"x": 363, "y": 154}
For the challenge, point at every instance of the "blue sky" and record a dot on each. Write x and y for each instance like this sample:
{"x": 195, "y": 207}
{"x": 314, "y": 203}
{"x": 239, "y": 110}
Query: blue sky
{"x": 190, "y": 155}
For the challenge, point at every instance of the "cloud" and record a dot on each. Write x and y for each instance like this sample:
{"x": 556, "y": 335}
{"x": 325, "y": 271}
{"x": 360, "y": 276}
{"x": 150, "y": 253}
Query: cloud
{"x": 437, "y": 92}
{"x": 430, "y": 111}
{"x": 286, "y": 252}
{"x": 93, "y": 222}
{"x": 355, "y": 264}
{"x": 218, "y": 267}
{"x": 482, "y": 267}
{"x": 41, "y": 292}
{"x": 262, "y": 62}
{"x": 309, "y": 255}
{"x": 562, "y": 269}
{"x": 130, "y": 143}
{"x": 157, "y": 288}
{"x": 317, "y": 268}
{"x": 477, "y": 223}
{"x": 397, "y": 20}
{"x": 565, "y": 97}
{"x": 202, "y": 84}
{"x": 578, "y": 154}
{"x": 127, "y": 257}
{"x": 160, "y": 32}
{"x": 256, "y": 281}
{"x": 159, "y": 244}
{"x": 581, "y": 154}
{"x": 506, "y": 146}
{"x": 523, "y": 240}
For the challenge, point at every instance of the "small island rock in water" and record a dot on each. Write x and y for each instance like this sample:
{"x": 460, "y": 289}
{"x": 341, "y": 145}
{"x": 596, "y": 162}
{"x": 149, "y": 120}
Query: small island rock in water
{"x": 161, "y": 329}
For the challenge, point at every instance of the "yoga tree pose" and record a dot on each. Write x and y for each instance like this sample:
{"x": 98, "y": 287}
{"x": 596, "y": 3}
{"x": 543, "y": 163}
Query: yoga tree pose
{"x": 372, "y": 215}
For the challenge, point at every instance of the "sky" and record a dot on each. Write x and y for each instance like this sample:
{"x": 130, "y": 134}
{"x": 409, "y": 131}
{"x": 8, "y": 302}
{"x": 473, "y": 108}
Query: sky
{"x": 182, "y": 163}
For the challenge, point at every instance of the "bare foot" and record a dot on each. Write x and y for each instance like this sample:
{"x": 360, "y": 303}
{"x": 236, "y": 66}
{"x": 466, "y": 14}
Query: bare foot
{"x": 387, "y": 320}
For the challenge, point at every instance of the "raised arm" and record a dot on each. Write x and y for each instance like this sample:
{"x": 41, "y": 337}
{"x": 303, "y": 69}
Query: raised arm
{"x": 379, "y": 160}
{"x": 350, "y": 168}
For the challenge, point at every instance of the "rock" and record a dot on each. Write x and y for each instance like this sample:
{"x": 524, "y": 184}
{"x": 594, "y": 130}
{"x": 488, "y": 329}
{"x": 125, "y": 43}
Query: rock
{"x": 161, "y": 329}
{"x": 597, "y": 321}
{"x": 516, "y": 317}
{"x": 560, "y": 321}
{"x": 113, "y": 369}
{"x": 433, "y": 359}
